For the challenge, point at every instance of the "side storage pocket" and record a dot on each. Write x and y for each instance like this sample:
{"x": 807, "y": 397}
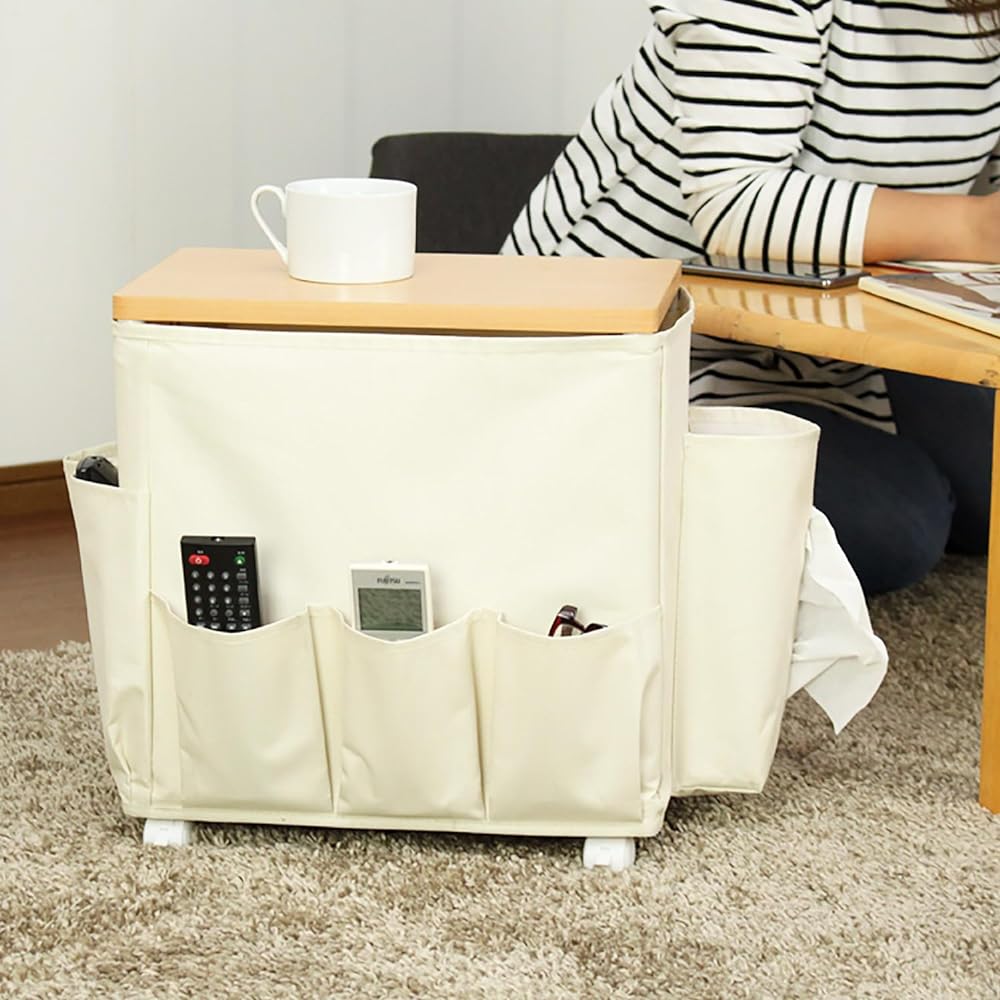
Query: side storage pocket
{"x": 403, "y": 717}
{"x": 249, "y": 724}
{"x": 112, "y": 527}
{"x": 567, "y": 741}
{"x": 747, "y": 497}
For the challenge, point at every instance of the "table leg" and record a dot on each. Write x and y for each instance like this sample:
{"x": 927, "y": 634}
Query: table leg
{"x": 989, "y": 760}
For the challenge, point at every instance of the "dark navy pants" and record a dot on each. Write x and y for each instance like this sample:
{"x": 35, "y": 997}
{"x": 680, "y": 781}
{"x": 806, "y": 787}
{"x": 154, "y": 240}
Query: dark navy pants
{"x": 899, "y": 501}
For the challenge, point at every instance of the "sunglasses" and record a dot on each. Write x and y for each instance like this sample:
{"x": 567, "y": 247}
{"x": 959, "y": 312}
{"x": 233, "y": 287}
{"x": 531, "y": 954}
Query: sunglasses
{"x": 566, "y": 622}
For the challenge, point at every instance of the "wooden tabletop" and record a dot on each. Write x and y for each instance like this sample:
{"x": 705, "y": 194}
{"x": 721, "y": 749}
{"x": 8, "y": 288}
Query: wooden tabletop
{"x": 475, "y": 292}
{"x": 560, "y": 295}
{"x": 845, "y": 323}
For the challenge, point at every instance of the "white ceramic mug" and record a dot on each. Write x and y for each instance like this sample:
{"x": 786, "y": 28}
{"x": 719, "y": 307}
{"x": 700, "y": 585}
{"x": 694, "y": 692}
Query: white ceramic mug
{"x": 351, "y": 230}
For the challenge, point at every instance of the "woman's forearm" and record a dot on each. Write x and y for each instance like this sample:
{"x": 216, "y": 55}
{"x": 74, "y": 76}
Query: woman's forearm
{"x": 907, "y": 225}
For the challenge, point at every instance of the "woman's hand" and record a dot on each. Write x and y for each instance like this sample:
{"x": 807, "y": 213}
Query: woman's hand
{"x": 983, "y": 222}
{"x": 904, "y": 225}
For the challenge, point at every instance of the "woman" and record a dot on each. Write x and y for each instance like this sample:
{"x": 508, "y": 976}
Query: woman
{"x": 839, "y": 131}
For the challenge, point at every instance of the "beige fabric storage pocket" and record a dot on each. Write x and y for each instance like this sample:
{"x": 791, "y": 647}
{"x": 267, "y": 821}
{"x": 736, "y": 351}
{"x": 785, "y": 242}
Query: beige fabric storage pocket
{"x": 112, "y": 527}
{"x": 249, "y": 725}
{"x": 567, "y": 740}
{"x": 747, "y": 498}
{"x": 404, "y": 719}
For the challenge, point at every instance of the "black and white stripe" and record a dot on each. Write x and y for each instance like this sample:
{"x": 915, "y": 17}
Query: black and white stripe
{"x": 759, "y": 129}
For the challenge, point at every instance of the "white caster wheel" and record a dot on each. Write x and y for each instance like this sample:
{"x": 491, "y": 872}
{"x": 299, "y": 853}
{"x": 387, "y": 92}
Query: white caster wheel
{"x": 616, "y": 853}
{"x": 168, "y": 832}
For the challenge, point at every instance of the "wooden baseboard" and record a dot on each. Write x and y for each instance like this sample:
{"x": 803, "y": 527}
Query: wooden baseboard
{"x": 38, "y": 488}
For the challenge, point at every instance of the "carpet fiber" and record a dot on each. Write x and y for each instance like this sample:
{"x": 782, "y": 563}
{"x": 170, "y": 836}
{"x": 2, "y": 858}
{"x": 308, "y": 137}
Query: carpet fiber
{"x": 865, "y": 869}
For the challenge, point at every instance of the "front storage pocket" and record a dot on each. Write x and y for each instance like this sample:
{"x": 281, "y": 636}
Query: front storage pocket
{"x": 249, "y": 723}
{"x": 404, "y": 718}
{"x": 569, "y": 733}
{"x": 112, "y": 527}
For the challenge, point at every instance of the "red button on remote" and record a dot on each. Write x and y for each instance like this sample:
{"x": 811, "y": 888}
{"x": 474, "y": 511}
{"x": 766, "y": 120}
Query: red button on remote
{"x": 195, "y": 559}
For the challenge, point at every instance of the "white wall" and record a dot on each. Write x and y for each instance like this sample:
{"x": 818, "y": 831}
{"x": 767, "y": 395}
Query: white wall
{"x": 129, "y": 128}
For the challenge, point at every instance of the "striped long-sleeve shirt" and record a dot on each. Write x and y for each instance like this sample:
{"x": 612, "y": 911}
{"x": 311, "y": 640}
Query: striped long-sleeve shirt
{"x": 760, "y": 128}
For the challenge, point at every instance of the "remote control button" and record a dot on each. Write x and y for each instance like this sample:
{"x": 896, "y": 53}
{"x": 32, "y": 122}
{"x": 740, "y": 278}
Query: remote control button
{"x": 197, "y": 598}
{"x": 213, "y": 600}
{"x": 215, "y": 626}
{"x": 224, "y": 574}
{"x": 198, "y": 559}
{"x": 195, "y": 574}
{"x": 195, "y": 587}
{"x": 226, "y": 588}
{"x": 227, "y": 600}
{"x": 243, "y": 599}
{"x": 240, "y": 560}
{"x": 244, "y": 612}
{"x": 209, "y": 575}
{"x": 230, "y": 626}
{"x": 211, "y": 588}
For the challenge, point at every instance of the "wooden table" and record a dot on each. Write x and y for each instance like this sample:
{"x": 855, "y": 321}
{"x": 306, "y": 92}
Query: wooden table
{"x": 851, "y": 325}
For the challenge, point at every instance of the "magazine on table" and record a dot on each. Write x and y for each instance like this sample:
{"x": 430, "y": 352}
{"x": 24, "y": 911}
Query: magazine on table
{"x": 937, "y": 265}
{"x": 968, "y": 297}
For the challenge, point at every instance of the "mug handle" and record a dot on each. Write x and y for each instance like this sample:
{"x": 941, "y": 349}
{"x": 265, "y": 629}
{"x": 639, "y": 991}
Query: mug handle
{"x": 275, "y": 242}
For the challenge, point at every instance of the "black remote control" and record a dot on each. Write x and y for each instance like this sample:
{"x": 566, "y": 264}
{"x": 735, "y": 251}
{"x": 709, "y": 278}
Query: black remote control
{"x": 220, "y": 582}
{"x": 97, "y": 469}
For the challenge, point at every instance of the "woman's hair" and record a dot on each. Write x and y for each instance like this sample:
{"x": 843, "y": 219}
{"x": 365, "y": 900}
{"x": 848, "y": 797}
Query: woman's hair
{"x": 985, "y": 14}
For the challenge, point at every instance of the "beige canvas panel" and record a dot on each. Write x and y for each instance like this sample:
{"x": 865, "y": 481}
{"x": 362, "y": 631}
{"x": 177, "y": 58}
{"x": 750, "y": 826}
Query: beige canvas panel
{"x": 748, "y": 480}
{"x": 408, "y": 732}
{"x": 112, "y": 527}
{"x": 566, "y": 735}
{"x": 250, "y": 729}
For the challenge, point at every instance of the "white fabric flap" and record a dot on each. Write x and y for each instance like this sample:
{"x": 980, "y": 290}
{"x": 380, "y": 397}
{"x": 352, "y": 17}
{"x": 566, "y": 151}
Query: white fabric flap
{"x": 836, "y": 657}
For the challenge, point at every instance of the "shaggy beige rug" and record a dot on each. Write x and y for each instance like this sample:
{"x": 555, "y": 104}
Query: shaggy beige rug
{"x": 865, "y": 869}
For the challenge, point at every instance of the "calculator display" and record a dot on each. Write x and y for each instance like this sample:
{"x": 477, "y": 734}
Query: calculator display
{"x": 384, "y": 609}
